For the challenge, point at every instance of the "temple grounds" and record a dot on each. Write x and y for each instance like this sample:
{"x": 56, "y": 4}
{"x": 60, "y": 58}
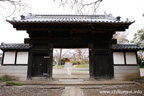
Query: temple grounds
{"x": 75, "y": 88}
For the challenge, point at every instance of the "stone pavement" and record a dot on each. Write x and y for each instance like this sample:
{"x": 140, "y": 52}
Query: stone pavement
{"x": 72, "y": 91}
{"x": 141, "y": 71}
{"x": 70, "y": 73}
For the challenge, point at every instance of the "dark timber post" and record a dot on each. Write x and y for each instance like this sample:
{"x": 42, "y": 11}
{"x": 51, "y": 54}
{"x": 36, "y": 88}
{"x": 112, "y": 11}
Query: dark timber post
{"x": 30, "y": 62}
{"x": 50, "y": 61}
{"x": 91, "y": 60}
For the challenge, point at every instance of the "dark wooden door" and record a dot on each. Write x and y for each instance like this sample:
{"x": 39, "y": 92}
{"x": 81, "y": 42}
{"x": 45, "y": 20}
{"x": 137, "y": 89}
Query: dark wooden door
{"x": 101, "y": 66}
{"x": 40, "y": 65}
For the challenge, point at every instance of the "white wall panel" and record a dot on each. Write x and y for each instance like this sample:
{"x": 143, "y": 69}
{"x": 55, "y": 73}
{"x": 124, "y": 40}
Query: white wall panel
{"x": 22, "y": 58}
{"x": 118, "y": 57}
{"x": 131, "y": 58}
{"x": 9, "y": 57}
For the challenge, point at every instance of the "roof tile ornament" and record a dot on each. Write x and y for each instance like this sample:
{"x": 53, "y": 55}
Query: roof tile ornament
{"x": 37, "y": 18}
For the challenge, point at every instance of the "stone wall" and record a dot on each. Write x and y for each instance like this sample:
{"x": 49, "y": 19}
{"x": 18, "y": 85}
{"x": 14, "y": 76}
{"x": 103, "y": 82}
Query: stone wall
{"x": 126, "y": 72}
{"x": 20, "y": 72}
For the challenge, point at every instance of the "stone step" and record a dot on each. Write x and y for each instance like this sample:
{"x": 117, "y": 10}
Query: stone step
{"x": 71, "y": 80}
{"x": 39, "y": 78}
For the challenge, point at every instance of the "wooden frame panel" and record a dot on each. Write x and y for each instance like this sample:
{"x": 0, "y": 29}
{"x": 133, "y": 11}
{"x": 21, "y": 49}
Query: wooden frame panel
{"x": 9, "y": 60}
{"x": 125, "y": 58}
{"x": 121, "y": 58}
{"x": 15, "y": 58}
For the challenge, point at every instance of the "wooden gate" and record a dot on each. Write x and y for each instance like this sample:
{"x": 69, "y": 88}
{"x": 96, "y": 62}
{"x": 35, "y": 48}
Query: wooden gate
{"x": 101, "y": 65}
{"x": 39, "y": 65}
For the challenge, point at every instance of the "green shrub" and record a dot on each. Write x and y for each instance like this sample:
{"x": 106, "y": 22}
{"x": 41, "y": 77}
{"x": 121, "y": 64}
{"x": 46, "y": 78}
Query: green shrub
{"x": 10, "y": 83}
{"x": 5, "y": 78}
{"x": 63, "y": 61}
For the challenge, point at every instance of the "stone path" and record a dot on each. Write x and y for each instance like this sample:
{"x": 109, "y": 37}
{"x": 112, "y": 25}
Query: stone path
{"x": 141, "y": 71}
{"x": 72, "y": 91}
{"x": 68, "y": 73}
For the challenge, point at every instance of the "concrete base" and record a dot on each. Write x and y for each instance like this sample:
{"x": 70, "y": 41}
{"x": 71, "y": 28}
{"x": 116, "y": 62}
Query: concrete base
{"x": 18, "y": 72}
{"x": 126, "y": 72}
{"x": 46, "y": 82}
{"x": 120, "y": 72}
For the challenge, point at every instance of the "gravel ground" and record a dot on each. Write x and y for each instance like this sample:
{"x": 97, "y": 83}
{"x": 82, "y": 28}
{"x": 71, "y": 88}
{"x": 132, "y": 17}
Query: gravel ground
{"x": 136, "y": 89}
{"x": 29, "y": 91}
{"x": 108, "y": 90}
{"x": 113, "y": 90}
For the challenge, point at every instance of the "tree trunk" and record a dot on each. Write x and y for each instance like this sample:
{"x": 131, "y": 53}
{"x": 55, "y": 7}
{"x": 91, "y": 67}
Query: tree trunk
{"x": 59, "y": 61}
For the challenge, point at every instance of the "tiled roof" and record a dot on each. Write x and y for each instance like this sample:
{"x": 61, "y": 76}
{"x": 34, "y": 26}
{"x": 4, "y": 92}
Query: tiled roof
{"x": 114, "y": 46}
{"x": 34, "y": 18}
{"x": 126, "y": 47}
{"x": 14, "y": 46}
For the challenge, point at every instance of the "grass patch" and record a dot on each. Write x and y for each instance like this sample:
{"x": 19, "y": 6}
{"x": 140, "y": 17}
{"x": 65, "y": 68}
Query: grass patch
{"x": 5, "y": 78}
{"x": 10, "y": 83}
{"x": 81, "y": 66}
{"x": 59, "y": 67}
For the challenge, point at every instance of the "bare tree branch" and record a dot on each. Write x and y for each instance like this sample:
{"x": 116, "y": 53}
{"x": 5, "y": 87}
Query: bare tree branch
{"x": 16, "y": 5}
{"x": 80, "y": 5}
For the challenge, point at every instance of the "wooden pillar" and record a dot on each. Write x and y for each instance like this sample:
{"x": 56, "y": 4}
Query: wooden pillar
{"x": 91, "y": 60}
{"x": 111, "y": 61}
{"x": 50, "y": 61}
{"x": 30, "y": 62}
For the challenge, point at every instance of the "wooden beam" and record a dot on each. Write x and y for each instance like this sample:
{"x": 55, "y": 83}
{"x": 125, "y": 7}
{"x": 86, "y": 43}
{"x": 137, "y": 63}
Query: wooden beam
{"x": 68, "y": 26}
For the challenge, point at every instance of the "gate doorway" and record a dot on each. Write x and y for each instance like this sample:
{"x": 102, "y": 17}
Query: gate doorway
{"x": 74, "y": 64}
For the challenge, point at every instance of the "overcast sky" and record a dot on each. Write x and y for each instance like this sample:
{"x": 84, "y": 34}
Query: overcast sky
{"x": 132, "y": 9}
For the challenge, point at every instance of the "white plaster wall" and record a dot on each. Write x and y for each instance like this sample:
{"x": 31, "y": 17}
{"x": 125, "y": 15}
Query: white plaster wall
{"x": 9, "y": 57}
{"x": 126, "y": 72}
{"x": 131, "y": 58}
{"x": 22, "y": 58}
{"x": 118, "y": 57}
{"x": 19, "y": 72}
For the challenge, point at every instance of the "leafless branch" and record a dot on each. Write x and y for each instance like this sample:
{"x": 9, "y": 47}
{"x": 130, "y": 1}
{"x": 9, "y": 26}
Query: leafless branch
{"x": 80, "y": 5}
{"x": 17, "y": 5}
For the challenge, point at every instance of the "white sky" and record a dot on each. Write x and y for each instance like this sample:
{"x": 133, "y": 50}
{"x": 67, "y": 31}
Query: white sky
{"x": 132, "y": 9}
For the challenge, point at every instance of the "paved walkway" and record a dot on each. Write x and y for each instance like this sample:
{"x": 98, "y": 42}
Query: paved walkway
{"x": 70, "y": 73}
{"x": 72, "y": 91}
{"x": 141, "y": 71}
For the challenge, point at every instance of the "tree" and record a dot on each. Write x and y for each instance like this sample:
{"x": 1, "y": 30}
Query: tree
{"x": 81, "y": 5}
{"x": 10, "y": 7}
{"x": 121, "y": 37}
{"x": 79, "y": 54}
{"x": 59, "y": 61}
{"x": 139, "y": 38}
{"x": 60, "y": 54}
